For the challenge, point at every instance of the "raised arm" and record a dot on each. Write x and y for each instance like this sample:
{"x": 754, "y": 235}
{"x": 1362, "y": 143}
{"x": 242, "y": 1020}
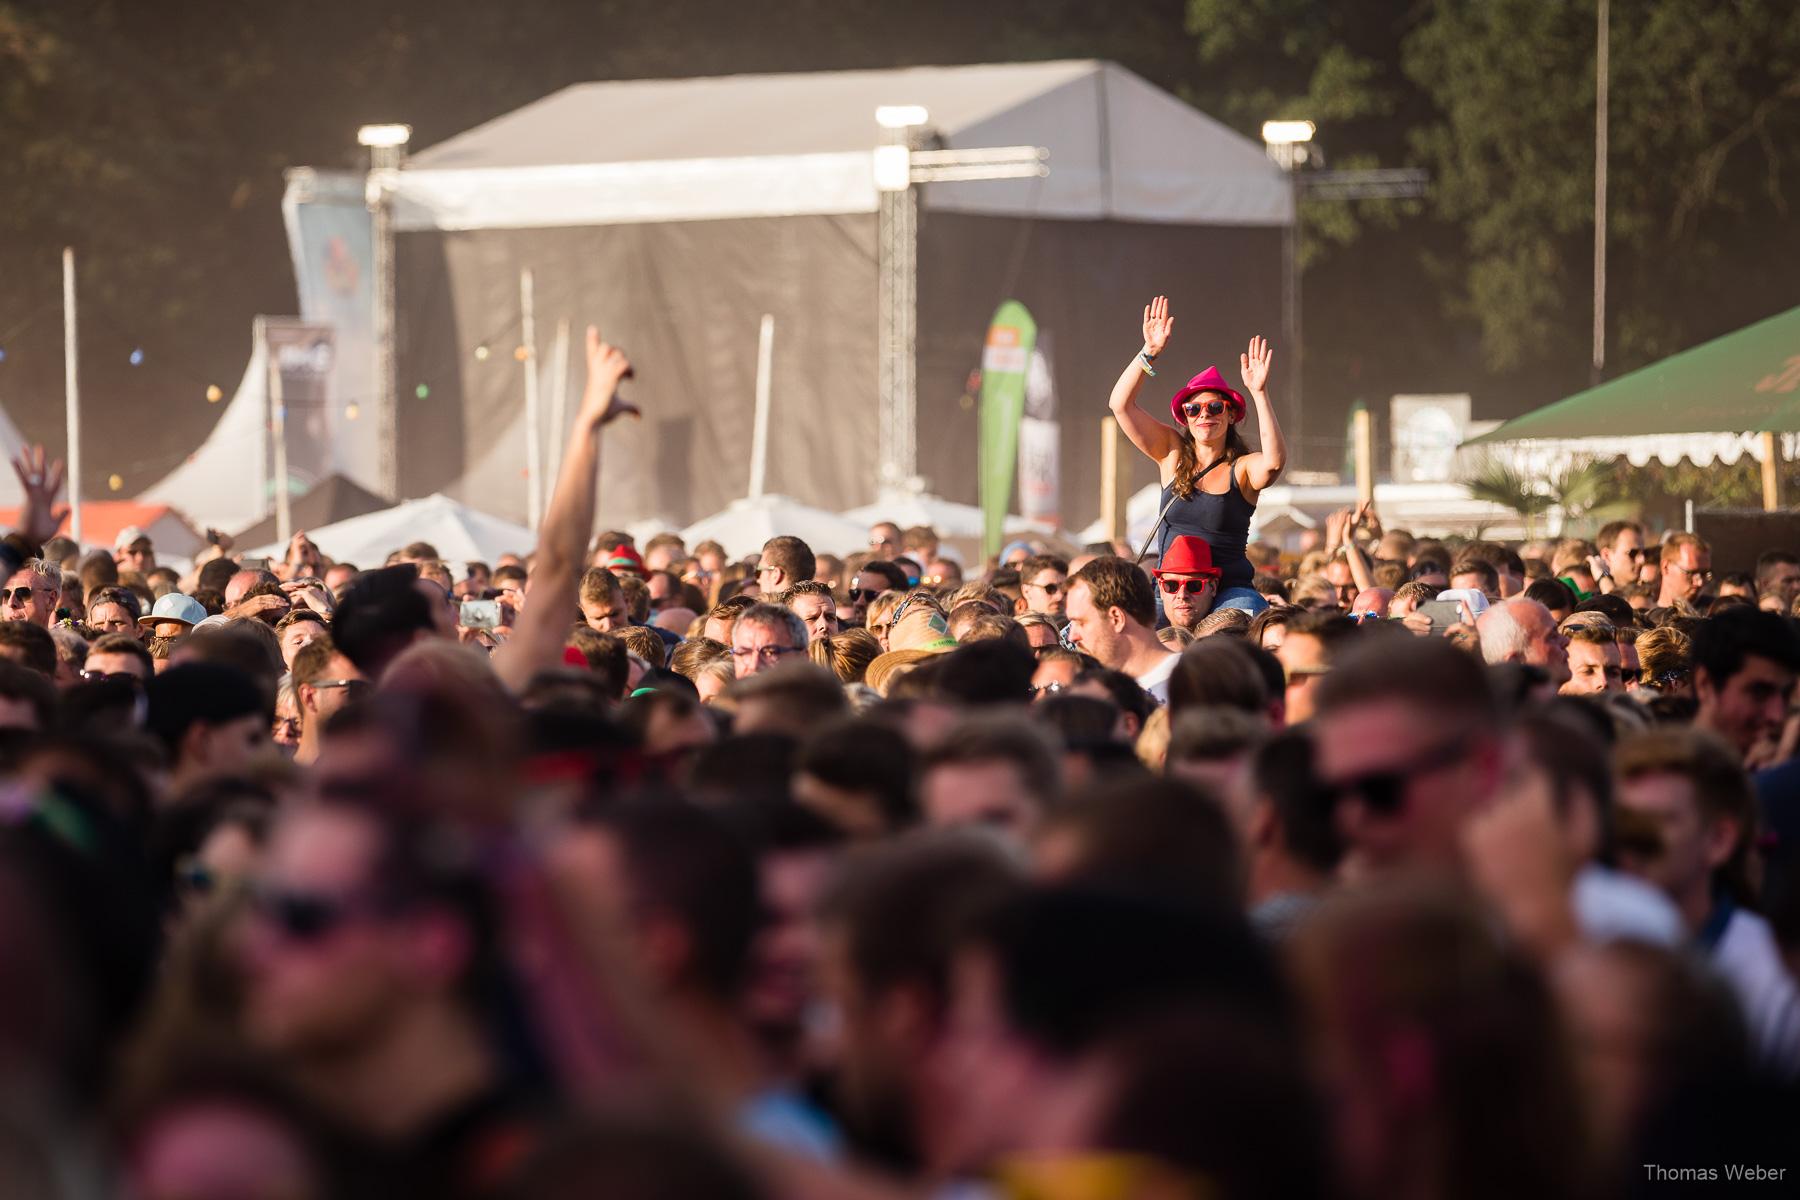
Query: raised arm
{"x": 543, "y": 626}
{"x": 1262, "y": 467}
{"x": 1147, "y": 433}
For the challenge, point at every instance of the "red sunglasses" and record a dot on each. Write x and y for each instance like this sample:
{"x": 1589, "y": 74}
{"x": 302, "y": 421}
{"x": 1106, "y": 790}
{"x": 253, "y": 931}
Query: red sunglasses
{"x": 1187, "y": 587}
{"x": 1211, "y": 408}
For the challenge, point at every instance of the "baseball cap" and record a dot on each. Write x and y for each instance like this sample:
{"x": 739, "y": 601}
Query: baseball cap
{"x": 175, "y": 607}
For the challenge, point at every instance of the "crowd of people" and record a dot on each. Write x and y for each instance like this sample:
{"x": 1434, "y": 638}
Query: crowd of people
{"x": 1398, "y": 867}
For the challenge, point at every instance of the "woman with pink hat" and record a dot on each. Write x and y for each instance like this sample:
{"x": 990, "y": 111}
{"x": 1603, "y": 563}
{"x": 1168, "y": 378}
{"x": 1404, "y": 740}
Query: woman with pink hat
{"x": 1198, "y": 498}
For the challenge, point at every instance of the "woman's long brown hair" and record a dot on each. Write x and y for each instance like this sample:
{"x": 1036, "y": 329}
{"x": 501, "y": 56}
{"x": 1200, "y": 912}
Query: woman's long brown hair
{"x": 1187, "y": 466}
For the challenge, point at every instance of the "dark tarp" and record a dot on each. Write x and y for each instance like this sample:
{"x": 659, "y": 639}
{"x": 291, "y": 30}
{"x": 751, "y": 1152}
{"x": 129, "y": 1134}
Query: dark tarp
{"x": 327, "y": 502}
{"x": 685, "y": 299}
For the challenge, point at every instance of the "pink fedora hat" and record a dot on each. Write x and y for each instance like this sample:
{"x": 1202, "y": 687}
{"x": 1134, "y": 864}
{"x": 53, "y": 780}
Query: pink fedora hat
{"x": 1208, "y": 380}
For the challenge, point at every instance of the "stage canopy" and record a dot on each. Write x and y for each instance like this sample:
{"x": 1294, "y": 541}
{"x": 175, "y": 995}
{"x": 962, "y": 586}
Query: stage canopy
{"x": 1707, "y": 405}
{"x": 674, "y": 213}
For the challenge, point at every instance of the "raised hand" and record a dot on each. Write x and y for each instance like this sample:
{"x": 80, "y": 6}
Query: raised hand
{"x": 1158, "y": 325}
{"x": 1254, "y": 364}
{"x": 40, "y": 478}
{"x": 607, "y": 366}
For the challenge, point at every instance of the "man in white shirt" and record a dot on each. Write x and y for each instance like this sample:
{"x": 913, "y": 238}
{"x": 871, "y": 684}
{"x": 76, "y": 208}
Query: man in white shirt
{"x": 1112, "y": 616}
{"x": 1688, "y": 786}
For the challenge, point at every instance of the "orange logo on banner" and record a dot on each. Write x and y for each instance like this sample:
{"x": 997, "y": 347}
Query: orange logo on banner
{"x": 1786, "y": 380}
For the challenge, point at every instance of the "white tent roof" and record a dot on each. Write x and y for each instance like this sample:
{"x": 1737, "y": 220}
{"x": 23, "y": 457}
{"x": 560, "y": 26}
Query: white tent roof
{"x": 459, "y": 533}
{"x": 783, "y": 145}
{"x": 947, "y": 518}
{"x": 746, "y": 524}
{"x": 225, "y": 483}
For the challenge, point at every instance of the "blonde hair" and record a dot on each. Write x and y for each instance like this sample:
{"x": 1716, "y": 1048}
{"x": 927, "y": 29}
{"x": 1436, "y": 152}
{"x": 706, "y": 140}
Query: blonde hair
{"x": 1153, "y": 740}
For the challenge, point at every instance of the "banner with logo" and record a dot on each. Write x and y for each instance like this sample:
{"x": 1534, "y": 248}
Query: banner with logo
{"x": 305, "y": 353}
{"x": 1005, "y": 364}
{"x": 1040, "y": 441}
{"x": 331, "y": 238}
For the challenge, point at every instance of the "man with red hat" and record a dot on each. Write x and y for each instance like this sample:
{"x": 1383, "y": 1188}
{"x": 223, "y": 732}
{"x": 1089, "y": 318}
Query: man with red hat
{"x": 1188, "y": 580}
{"x": 624, "y": 557}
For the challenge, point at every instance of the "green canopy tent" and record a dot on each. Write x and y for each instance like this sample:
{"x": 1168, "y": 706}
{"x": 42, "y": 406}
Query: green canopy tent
{"x": 1714, "y": 403}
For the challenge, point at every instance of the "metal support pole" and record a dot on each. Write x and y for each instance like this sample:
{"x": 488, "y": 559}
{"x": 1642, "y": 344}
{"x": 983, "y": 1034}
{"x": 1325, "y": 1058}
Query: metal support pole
{"x": 284, "y": 514}
{"x": 1290, "y": 253}
{"x": 1601, "y": 84}
{"x": 384, "y": 161}
{"x": 897, "y": 329}
{"x": 534, "y": 453}
{"x": 559, "y": 403}
{"x": 759, "y": 422}
{"x": 72, "y": 394}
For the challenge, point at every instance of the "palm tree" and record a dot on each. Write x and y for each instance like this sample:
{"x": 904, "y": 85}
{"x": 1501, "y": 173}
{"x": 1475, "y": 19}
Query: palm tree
{"x": 1583, "y": 490}
{"x": 1498, "y": 483}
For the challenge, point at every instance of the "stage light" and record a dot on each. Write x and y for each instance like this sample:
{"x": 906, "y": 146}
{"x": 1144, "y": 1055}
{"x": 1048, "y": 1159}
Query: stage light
{"x": 1286, "y": 133}
{"x": 136, "y": 357}
{"x": 351, "y": 412}
{"x": 422, "y": 391}
{"x": 384, "y": 136}
{"x": 115, "y": 482}
{"x": 214, "y": 393}
{"x": 901, "y": 116}
{"x": 482, "y": 352}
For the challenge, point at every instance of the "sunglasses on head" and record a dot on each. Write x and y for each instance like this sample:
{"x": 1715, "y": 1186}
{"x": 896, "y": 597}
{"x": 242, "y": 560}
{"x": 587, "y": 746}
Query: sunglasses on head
{"x": 1384, "y": 792}
{"x": 1193, "y": 408}
{"x": 1185, "y": 587}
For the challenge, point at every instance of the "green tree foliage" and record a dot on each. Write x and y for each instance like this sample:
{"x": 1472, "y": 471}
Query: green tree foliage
{"x": 1496, "y": 99}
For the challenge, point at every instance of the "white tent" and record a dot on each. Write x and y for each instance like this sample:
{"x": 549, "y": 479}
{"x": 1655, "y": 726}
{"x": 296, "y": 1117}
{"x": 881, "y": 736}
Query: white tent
{"x": 459, "y": 533}
{"x": 744, "y": 525}
{"x": 11, "y": 443}
{"x": 947, "y": 517}
{"x": 225, "y": 483}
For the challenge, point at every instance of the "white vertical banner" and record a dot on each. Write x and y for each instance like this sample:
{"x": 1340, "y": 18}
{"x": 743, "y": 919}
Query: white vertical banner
{"x": 1040, "y": 441}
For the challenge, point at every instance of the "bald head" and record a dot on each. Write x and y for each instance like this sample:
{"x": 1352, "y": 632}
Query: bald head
{"x": 1523, "y": 631}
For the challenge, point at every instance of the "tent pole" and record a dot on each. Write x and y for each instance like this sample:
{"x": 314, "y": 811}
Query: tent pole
{"x": 759, "y": 428}
{"x": 72, "y": 393}
{"x": 1601, "y": 83}
{"x": 1771, "y": 472}
{"x": 534, "y": 466}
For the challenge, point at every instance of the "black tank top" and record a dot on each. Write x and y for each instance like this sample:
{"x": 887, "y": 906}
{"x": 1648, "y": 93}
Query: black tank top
{"x": 1222, "y": 521}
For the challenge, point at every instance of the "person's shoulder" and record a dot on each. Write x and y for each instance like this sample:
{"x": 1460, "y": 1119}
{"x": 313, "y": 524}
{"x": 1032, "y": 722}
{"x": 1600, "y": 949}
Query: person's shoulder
{"x": 1159, "y": 673}
{"x": 1612, "y": 905}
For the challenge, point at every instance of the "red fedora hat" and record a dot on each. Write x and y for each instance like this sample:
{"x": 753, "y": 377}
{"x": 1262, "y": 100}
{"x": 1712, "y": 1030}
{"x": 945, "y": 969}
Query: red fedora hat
{"x": 1186, "y": 555}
